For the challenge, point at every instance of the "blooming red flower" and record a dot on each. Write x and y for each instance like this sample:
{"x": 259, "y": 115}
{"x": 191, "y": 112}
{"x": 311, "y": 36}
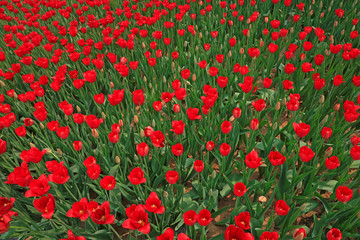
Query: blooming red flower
{"x": 71, "y": 236}
{"x": 142, "y": 149}
{"x": 252, "y": 160}
{"x": 276, "y": 158}
{"x": 190, "y": 217}
{"x": 33, "y": 155}
{"x": 20, "y": 176}
{"x": 269, "y": 236}
{"x": 137, "y": 219}
{"x": 93, "y": 121}
{"x": 306, "y": 154}
{"x": 136, "y": 176}
{"x": 153, "y": 204}
{"x": 192, "y": 114}
{"x": 138, "y": 97}
{"x": 177, "y": 127}
{"x": 108, "y": 183}
{"x": 355, "y": 152}
{"x": 167, "y": 235}
{"x": 204, "y": 217}
{"x": 79, "y": 210}
{"x": 239, "y": 189}
{"x": 224, "y": 149}
{"x": 281, "y": 208}
{"x": 94, "y": 171}
{"x": 157, "y": 138}
{"x": 243, "y": 220}
{"x": 235, "y": 233}
{"x": 38, "y": 187}
{"x": 177, "y": 149}
{"x": 332, "y": 162}
{"x": 299, "y": 234}
{"x": 344, "y": 194}
{"x": 226, "y": 127}
{"x": 172, "y": 177}
{"x": 45, "y": 205}
{"x": 198, "y": 166}
{"x": 59, "y": 175}
{"x": 116, "y": 97}
{"x": 102, "y": 214}
{"x": 334, "y": 234}
{"x": 301, "y": 129}
{"x": 259, "y": 105}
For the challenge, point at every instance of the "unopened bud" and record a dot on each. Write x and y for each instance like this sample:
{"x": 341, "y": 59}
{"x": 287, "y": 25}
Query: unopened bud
{"x": 322, "y": 99}
{"x": 173, "y": 66}
{"x": 15, "y": 95}
{"x": 145, "y": 79}
{"x": 185, "y": 44}
{"x": 278, "y": 106}
{"x": 329, "y": 9}
{"x": 42, "y": 126}
{"x": 66, "y": 118}
{"x": 78, "y": 109}
{"x": 153, "y": 123}
{"x": 337, "y": 107}
{"x": 142, "y": 133}
{"x": 343, "y": 32}
{"x": 261, "y": 43}
{"x": 232, "y": 119}
{"x": 2, "y": 83}
{"x": 229, "y": 54}
{"x": 196, "y": 49}
{"x": 111, "y": 85}
{"x": 327, "y": 52}
{"x": 262, "y": 199}
{"x": 299, "y": 234}
{"x": 48, "y": 150}
{"x": 59, "y": 152}
{"x": 311, "y": 12}
{"x": 266, "y": 19}
{"x": 328, "y": 152}
{"x": 321, "y": 4}
{"x": 165, "y": 194}
{"x": 121, "y": 123}
{"x": 164, "y": 79}
{"x": 32, "y": 145}
{"x": 336, "y": 23}
{"x": 143, "y": 45}
{"x": 322, "y": 15}
{"x": 136, "y": 119}
{"x": 95, "y": 133}
{"x": 200, "y": 35}
{"x": 103, "y": 115}
{"x": 242, "y": 51}
{"x": 193, "y": 77}
{"x": 274, "y": 126}
{"x": 117, "y": 159}
{"x": 291, "y": 30}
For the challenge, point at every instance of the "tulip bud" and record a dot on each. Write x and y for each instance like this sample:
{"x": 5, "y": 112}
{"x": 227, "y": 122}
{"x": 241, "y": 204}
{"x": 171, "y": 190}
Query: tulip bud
{"x": 121, "y": 123}
{"x": 153, "y": 123}
{"x": 103, "y": 115}
{"x": 15, "y": 95}
{"x": 299, "y": 234}
{"x": 327, "y": 52}
{"x": 193, "y": 77}
{"x": 337, "y": 107}
{"x": 335, "y": 23}
{"x": 142, "y": 133}
{"x": 322, "y": 15}
{"x": 117, "y": 159}
{"x": 329, "y": 10}
{"x": 42, "y": 126}
{"x": 248, "y": 33}
{"x": 136, "y": 158}
{"x": 59, "y": 152}
{"x": 278, "y": 106}
{"x": 262, "y": 199}
{"x": 176, "y": 108}
{"x": 242, "y": 51}
{"x": 32, "y": 145}
{"x": 78, "y": 109}
{"x": 321, "y": 4}
{"x": 95, "y": 133}
{"x": 48, "y": 150}
{"x": 229, "y": 54}
{"x": 248, "y": 21}
{"x": 328, "y": 152}
{"x": 261, "y": 43}
{"x": 311, "y": 12}
{"x": 274, "y": 126}
{"x": 173, "y": 66}
{"x": 111, "y": 85}
{"x": 322, "y": 99}
{"x": 150, "y": 85}
{"x": 197, "y": 48}
{"x": 266, "y": 19}
{"x": 143, "y": 45}
{"x": 165, "y": 194}
{"x": 2, "y": 83}
{"x": 185, "y": 43}
{"x": 291, "y": 30}
{"x": 136, "y": 119}
{"x": 232, "y": 119}
{"x": 200, "y": 35}
{"x": 66, "y": 118}
{"x": 343, "y": 32}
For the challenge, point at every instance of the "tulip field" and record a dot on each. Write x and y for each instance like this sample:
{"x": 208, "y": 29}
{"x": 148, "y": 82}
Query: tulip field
{"x": 179, "y": 119}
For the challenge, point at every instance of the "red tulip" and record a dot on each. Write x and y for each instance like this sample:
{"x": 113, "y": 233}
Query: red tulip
{"x": 243, "y": 220}
{"x": 344, "y": 194}
{"x": 137, "y": 219}
{"x": 136, "y": 176}
{"x": 79, "y": 210}
{"x": 276, "y": 158}
{"x": 38, "y": 187}
{"x": 301, "y": 129}
{"x": 153, "y": 204}
{"x": 252, "y": 160}
{"x": 190, "y": 217}
{"x": 281, "y": 208}
{"x": 102, "y": 214}
{"x": 45, "y": 205}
